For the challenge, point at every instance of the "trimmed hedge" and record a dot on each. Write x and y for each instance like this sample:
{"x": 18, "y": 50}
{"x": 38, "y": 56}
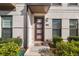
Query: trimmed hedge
{"x": 75, "y": 38}
{"x": 57, "y": 39}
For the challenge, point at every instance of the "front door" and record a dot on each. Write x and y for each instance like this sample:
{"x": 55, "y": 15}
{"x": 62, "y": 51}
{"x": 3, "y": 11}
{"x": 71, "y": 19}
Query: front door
{"x": 39, "y": 28}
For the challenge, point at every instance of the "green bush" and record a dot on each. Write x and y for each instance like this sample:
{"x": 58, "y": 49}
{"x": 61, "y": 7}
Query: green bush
{"x": 16, "y": 40}
{"x": 76, "y": 43}
{"x": 9, "y": 49}
{"x": 57, "y": 39}
{"x": 10, "y": 46}
{"x": 75, "y": 38}
{"x": 68, "y": 48}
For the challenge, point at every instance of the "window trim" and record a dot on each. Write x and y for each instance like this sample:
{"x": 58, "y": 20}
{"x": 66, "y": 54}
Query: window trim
{"x": 57, "y": 28}
{"x": 73, "y": 28}
{"x": 11, "y": 24}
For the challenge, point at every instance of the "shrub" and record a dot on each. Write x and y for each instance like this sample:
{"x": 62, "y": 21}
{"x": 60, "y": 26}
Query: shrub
{"x": 10, "y": 46}
{"x": 16, "y": 40}
{"x": 76, "y": 43}
{"x": 9, "y": 49}
{"x": 75, "y": 38}
{"x": 68, "y": 48}
{"x": 56, "y": 39}
{"x": 0, "y": 39}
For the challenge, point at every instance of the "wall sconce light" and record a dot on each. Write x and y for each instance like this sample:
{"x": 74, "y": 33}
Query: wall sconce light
{"x": 46, "y": 19}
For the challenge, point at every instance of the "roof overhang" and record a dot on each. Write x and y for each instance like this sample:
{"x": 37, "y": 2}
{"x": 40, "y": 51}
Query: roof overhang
{"x": 6, "y": 6}
{"x": 39, "y": 8}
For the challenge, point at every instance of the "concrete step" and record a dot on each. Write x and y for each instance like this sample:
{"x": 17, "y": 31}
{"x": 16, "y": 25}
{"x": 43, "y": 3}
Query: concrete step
{"x": 31, "y": 53}
{"x": 40, "y": 43}
{"x": 34, "y": 50}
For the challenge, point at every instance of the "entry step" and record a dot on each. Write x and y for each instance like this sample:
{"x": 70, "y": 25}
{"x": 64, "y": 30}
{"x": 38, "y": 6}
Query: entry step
{"x": 40, "y": 43}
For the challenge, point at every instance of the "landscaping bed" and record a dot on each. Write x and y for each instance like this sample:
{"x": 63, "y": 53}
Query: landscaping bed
{"x": 10, "y": 46}
{"x": 60, "y": 48}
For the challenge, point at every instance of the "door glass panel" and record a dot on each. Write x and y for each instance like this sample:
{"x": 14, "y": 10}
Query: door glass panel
{"x": 39, "y": 25}
{"x": 39, "y": 37}
{"x": 39, "y": 20}
{"x": 39, "y": 31}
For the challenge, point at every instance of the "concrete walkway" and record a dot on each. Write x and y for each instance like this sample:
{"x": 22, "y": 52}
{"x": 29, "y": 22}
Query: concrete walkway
{"x": 34, "y": 50}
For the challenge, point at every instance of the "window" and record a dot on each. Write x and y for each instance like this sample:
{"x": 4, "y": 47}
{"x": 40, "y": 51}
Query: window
{"x": 56, "y": 27}
{"x": 56, "y": 32}
{"x": 56, "y": 4}
{"x": 72, "y": 4}
{"x": 73, "y": 27}
{"x": 6, "y": 26}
